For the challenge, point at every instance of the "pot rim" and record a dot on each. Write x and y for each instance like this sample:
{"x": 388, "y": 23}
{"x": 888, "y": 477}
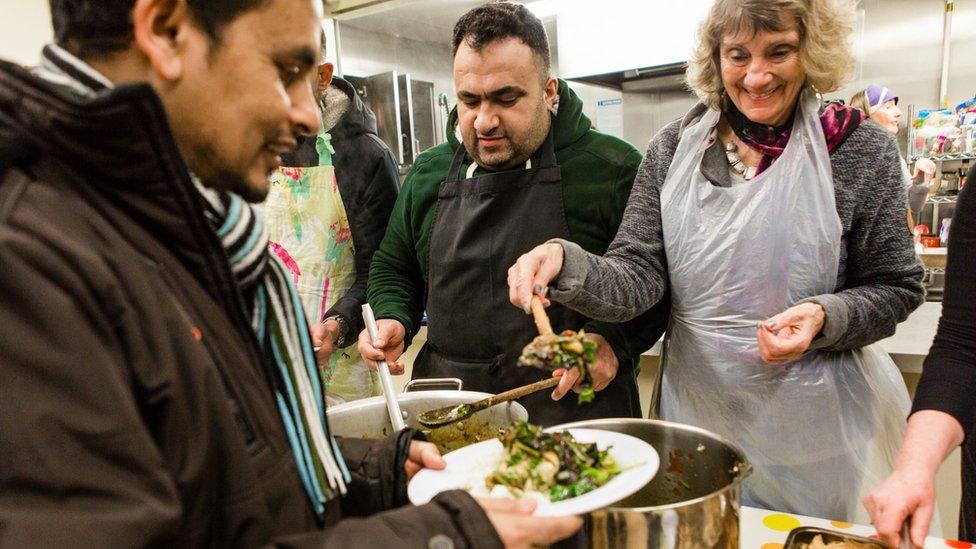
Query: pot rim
{"x": 745, "y": 468}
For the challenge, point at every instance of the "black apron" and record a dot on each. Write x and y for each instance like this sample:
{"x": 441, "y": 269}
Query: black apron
{"x": 481, "y": 226}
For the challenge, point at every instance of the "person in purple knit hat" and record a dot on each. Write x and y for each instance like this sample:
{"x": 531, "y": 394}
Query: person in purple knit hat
{"x": 881, "y": 105}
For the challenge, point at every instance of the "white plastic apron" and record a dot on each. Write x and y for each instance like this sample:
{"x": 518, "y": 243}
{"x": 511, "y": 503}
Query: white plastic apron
{"x": 820, "y": 431}
{"x": 310, "y": 233}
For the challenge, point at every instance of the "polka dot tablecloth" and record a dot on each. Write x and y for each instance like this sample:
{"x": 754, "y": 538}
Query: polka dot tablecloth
{"x": 762, "y": 529}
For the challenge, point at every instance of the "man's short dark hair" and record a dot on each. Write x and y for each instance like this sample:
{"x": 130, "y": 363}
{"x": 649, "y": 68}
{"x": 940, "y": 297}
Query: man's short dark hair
{"x": 498, "y": 21}
{"x": 97, "y": 28}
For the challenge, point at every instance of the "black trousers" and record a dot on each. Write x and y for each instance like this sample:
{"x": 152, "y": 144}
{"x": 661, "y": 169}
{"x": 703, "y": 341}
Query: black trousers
{"x": 967, "y": 507}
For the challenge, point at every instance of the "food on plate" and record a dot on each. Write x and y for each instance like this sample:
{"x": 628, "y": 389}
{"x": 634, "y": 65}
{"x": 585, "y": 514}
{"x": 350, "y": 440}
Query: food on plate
{"x": 567, "y": 350}
{"x": 552, "y": 464}
{"x": 818, "y": 543}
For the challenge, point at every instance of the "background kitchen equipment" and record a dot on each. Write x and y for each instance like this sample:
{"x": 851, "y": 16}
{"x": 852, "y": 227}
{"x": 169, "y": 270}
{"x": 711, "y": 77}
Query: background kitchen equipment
{"x": 692, "y": 502}
{"x": 800, "y": 538}
{"x": 405, "y": 112}
{"x": 367, "y": 418}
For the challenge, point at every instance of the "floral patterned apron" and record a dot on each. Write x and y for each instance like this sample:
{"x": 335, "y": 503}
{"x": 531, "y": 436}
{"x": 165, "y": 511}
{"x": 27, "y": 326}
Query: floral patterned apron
{"x": 310, "y": 233}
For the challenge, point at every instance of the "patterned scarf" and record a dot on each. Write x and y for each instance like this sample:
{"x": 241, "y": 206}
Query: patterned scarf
{"x": 279, "y": 323}
{"x": 838, "y": 122}
{"x": 276, "y": 312}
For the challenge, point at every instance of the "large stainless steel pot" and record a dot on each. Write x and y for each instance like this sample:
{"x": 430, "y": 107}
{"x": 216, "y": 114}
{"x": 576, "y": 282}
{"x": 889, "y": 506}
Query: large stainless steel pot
{"x": 692, "y": 502}
{"x": 368, "y": 418}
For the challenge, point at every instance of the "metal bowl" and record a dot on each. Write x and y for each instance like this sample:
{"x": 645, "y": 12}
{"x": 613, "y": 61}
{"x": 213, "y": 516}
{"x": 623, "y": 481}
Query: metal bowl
{"x": 802, "y": 537}
{"x": 692, "y": 502}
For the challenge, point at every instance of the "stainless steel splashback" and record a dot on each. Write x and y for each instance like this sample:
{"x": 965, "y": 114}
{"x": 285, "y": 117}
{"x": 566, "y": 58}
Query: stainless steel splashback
{"x": 404, "y": 109}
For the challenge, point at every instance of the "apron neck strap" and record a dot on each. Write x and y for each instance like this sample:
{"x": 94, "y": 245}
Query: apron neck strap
{"x": 544, "y": 157}
{"x": 474, "y": 166}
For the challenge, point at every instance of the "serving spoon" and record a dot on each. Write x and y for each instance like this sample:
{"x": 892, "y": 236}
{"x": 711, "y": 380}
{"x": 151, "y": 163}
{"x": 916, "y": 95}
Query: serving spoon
{"x": 440, "y": 417}
{"x": 386, "y": 381}
{"x": 451, "y": 414}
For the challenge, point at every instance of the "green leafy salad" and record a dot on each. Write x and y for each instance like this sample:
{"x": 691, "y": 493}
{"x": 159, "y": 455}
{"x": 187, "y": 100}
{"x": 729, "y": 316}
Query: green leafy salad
{"x": 568, "y": 350}
{"x": 553, "y": 464}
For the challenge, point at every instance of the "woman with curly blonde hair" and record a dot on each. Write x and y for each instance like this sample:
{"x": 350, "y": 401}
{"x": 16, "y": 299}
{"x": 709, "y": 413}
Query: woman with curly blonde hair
{"x": 778, "y": 226}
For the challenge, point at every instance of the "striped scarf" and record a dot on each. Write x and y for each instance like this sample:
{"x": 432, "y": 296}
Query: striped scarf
{"x": 279, "y": 322}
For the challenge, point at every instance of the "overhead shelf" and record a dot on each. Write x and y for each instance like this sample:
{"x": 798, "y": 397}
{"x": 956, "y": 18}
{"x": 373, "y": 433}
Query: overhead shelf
{"x": 946, "y": 157}
{"x": 347, "y": 9}
{"x": 647, "y": 80}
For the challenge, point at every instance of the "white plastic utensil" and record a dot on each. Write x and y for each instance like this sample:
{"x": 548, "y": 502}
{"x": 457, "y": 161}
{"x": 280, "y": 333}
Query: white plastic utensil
{"x": 392, "y": 406}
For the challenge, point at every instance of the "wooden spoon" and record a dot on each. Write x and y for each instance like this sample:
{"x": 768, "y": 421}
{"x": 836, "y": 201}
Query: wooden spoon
{"x": 539, "y": 315}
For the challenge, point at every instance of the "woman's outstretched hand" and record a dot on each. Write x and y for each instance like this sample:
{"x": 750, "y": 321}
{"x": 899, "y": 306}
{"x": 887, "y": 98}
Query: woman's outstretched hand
{"x": 532, "y": 273}
{"x": 786, "y": 336}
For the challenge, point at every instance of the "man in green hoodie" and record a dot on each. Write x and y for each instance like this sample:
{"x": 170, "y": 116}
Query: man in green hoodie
{"x": 531, "y": 168}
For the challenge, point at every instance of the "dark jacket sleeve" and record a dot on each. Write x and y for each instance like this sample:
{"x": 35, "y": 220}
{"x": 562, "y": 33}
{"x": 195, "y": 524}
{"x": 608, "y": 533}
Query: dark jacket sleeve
{"x": 78, "y": 467}
{"x": 378, "y": 478}
{"x": 368, "y": 191}
{"x": 948, "y": 382}
{"x": 453, "y": 517}
{"x": 374, "y": 509}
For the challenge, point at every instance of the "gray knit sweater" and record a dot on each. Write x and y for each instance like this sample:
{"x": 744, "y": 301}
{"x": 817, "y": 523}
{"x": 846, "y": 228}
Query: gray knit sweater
{"x": 879, "y": 281}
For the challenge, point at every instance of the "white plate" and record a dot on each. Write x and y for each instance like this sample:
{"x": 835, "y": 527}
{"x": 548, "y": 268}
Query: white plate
{"x": 467, "y": 467}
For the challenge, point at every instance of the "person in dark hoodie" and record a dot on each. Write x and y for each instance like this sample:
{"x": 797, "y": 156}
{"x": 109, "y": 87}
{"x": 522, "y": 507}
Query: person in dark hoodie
{"x": 528, "y": 167}
{"x": 327, "y": 212}
{"x": 157, "y": 381}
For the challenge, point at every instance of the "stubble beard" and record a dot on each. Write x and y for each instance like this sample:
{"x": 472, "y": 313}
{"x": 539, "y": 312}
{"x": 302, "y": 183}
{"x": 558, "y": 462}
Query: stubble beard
{"x": 224, "y": 179}
{"x": 517, "y": 151}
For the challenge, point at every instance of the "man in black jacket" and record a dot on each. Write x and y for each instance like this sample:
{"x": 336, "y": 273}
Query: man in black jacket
{"x": 157, "y": 382}
{"x": 367, "y": 181}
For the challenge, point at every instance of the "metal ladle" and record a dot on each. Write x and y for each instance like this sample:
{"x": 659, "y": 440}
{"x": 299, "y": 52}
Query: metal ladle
{"x": 450, "y": 414}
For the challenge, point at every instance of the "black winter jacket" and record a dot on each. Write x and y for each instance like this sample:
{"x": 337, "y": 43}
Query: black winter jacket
{"x": 368, "y": 182}
{"x": 134, "y": 408}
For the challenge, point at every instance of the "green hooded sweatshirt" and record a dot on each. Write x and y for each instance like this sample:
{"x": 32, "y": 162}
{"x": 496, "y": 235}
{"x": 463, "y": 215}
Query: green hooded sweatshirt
{"x": 597, "y": 173}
